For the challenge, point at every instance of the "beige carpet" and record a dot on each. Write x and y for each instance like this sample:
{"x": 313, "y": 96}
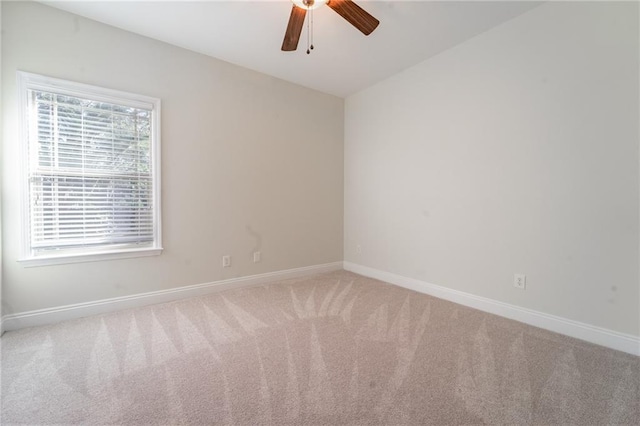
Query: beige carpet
{"x": 331, "y": 349}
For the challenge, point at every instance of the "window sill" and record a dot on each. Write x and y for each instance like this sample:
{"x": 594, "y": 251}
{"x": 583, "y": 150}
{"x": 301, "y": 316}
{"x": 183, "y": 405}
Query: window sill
{"x": 88, "y": 257}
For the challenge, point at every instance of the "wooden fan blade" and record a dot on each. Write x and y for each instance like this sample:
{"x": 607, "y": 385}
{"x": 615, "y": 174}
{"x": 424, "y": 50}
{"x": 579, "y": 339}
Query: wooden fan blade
{"x": 356, "y": 15}
{"x": 294, "y": 28}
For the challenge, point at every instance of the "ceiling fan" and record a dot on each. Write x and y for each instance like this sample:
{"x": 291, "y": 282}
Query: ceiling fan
{"x": 350, "y": 11}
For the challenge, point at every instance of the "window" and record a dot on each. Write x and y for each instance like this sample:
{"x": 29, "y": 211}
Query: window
{"x": 91, "y": 172}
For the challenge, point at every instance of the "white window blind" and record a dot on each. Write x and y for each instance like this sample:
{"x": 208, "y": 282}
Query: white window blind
{"x": 90, "y": 173}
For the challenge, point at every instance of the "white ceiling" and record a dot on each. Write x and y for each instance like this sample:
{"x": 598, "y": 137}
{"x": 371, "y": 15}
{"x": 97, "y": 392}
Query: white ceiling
{"x": 344, "y": 61}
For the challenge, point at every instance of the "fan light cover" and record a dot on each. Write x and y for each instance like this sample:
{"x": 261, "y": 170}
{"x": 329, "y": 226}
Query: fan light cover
{"x": 304, "y": 4}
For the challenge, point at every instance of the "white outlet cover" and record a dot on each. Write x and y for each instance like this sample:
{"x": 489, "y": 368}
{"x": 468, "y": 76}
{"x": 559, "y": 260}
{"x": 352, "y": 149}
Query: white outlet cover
{"x": 520, "y": 281}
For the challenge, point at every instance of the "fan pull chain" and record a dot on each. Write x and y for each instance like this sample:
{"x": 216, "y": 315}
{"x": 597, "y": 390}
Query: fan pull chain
{"x": 309, "y": 29}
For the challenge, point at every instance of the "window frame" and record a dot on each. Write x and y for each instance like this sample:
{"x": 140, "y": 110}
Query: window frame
{"x": 29, "y": 81}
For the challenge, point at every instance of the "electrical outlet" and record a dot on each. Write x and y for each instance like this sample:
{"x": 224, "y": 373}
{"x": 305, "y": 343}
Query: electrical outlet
{"x": 226, "y": 261}
{"x": 256, "y": 256}
{"x": 520, "y": 281}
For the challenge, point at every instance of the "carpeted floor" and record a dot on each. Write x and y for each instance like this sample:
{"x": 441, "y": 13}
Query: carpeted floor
{"x": 331, "y": 349}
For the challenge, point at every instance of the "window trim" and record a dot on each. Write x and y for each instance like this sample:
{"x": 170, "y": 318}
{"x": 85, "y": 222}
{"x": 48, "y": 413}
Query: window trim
{"x": 27, "y": 81}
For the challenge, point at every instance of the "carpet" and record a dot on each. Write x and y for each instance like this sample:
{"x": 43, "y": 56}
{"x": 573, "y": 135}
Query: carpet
{"x": 331, "y": 349}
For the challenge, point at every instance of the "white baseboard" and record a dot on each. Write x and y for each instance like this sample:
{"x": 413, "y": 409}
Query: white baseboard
{"x": 600, "y": 336}
{"x": 79, "y": 310}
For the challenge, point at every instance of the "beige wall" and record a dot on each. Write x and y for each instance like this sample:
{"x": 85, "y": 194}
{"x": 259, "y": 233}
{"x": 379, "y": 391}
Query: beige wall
{"x": 243, "y": 165}
{"x": 514, "y": 152}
